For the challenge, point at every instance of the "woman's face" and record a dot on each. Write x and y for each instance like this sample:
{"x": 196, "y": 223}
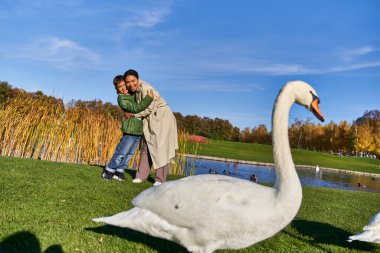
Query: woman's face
{"x": 132, "y": 83}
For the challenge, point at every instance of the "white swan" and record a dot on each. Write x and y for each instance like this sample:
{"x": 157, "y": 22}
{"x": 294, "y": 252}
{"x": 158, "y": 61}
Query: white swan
{"x": 209, "y": 212}
{"x": 371, "y": 231}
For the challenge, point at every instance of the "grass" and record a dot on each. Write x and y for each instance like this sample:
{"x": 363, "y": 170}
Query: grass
{"x": 263, "y": 153}
{"x": 48, "y": 207}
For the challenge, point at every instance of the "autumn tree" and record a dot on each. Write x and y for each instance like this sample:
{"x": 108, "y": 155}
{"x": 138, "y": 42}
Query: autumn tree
{"x": 246, "y": 135}
{"x": 295, "y": 133}
{"x": 261, "y": 135}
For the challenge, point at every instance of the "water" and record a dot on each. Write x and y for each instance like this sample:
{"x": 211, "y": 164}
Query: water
{"x": 308, "y": 177}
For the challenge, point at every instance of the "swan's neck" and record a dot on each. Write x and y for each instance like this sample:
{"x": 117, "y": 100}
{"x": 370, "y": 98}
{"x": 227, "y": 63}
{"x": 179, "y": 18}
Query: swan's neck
{"x": 287, "y": 184}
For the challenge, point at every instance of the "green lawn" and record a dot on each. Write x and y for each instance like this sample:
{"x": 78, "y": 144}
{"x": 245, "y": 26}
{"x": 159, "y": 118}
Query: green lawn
{"x": 263, "y": 153}
{"x": 48, "y": 207}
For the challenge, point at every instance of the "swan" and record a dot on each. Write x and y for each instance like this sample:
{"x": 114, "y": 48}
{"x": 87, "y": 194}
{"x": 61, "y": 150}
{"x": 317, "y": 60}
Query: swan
{"x": 209, "y": 212}
{"x": 371, "y": 231}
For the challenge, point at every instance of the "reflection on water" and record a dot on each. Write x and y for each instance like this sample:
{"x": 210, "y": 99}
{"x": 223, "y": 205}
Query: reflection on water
{"x": 309, "y": 177}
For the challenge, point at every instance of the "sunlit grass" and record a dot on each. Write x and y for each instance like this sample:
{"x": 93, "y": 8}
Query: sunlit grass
{"x": 48, "y": 207}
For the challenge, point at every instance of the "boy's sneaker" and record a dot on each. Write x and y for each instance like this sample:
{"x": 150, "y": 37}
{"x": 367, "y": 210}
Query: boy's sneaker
{"x": 157, "y": 183}
{"x": 119, "y": 176}
{"x": 106, "y": 175}
{"x": 136, "y": 180}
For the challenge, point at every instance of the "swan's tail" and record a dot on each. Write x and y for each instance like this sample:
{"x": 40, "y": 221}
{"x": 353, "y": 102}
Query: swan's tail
{"x": 123, "y": 219}
{"x": 107, "y": 220}
{"x": 141, "y": 220}
{"x": 353, "y": 238}
{"x": 366, "y": 236}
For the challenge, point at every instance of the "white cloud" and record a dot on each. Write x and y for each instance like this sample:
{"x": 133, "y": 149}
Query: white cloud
{"x": 350, "y": 54}
{"x": 277, "y": 69}
{"x": 61, "y": 53}
{"x": 291, "y": 69}
{"x": 244, "y": 60}
{"x": 361, "y": 65}
{"x": 263, "y": 68}
{"x": 137, "y": 27}
{"x": 146, "y": 18}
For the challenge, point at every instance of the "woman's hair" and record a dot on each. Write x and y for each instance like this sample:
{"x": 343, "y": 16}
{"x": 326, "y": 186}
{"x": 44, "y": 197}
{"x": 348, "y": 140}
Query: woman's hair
{"x": 131, "y": 72}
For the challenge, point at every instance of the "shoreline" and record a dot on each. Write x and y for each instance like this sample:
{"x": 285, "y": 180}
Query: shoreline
{"x": 229, "y": 160}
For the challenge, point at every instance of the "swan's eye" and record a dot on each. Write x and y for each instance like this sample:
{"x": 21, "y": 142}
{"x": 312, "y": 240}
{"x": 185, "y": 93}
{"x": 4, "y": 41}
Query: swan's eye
{"x": 315, "y": 97}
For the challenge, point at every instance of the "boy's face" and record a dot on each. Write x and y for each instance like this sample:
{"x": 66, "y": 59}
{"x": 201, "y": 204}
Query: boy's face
{"x": 121, "y": 88}
{"x": 132, "y": 83}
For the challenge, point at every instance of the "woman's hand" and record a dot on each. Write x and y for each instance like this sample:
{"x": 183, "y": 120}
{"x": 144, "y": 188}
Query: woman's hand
{"x": 150, "y": 94}
{"x": 128, "y": 115}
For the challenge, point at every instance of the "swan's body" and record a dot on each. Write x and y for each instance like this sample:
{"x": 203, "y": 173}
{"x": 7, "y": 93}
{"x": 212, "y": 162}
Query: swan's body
{"x": 371, "y": 231}
{"x": 208, "y": 212}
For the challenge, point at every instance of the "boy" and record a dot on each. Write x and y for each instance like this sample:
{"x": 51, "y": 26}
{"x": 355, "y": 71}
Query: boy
{"x": 132, "y": 129}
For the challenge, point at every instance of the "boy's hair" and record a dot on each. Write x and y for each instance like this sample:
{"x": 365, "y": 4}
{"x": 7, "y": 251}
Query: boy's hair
{"x": 131, "y": 72}
{"x": 117, "y": 80}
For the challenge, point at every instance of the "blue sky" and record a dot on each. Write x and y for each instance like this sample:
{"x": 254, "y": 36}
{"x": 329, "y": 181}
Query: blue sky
{"x": 225, "y": 59}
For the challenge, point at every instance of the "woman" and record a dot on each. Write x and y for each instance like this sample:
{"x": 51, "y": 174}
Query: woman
{"x": 160, "y": 131}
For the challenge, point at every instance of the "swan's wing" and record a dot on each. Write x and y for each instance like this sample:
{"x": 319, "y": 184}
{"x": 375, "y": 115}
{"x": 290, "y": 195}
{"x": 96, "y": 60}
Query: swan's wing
{"x": 374, "y": 223}
{"x": 203, "y": 199}
{"x": 371, "y": 231}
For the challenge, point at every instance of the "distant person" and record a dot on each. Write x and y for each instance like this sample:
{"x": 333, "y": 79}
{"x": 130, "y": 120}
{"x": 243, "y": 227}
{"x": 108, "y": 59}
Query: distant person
{"x": 160, "y": 131}
{"x": 132, "y": 129}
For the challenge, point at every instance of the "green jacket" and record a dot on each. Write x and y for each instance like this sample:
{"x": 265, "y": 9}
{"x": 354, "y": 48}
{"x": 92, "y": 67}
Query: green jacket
{"x": 127, "y": 102}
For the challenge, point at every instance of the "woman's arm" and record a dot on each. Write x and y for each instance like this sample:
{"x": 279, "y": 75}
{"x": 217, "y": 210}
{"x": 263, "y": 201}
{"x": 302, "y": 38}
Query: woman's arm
{"x": 145, "y": 113}
{"x": 127, "y": 103}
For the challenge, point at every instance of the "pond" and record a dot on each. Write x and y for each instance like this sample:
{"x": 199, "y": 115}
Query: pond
{"x": 308, "y": 177}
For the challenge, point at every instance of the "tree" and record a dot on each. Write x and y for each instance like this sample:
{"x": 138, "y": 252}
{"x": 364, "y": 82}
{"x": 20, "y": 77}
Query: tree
{"x": 364, "y": 137}
{"x": 295, "y": 133}
{"x": 6, "y": 92}
{"x": 342, "y": 140}
{"x": 261, "y": 135}
{"x": 246, "y": 135}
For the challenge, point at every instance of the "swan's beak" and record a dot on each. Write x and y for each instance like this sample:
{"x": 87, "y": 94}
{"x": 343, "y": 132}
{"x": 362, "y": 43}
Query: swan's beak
{"x": 316, "y": 111}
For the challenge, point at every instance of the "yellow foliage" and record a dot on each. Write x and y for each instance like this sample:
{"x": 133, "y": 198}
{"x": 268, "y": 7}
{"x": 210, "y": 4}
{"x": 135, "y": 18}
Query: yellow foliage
{"x": 40, "y": 127}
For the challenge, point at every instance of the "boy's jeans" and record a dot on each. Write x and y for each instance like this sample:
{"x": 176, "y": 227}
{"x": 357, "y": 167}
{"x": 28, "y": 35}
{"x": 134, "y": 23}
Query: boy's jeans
{"x": 123, "y": 153}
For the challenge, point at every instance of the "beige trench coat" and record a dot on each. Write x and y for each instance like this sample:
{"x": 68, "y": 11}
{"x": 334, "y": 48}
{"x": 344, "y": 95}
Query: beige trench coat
{"x": 159, "y": 127}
